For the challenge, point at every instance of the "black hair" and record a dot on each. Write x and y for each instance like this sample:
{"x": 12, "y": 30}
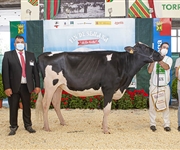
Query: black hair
{"x": 19, "y": 37}
{"x": 163, "y": 44}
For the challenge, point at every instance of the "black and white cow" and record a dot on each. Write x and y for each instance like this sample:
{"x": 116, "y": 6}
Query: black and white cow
{"x": 106, "y": 73}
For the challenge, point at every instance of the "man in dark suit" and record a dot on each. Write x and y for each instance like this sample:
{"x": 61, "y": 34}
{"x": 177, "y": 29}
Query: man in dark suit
{"x": 20, "y": 77}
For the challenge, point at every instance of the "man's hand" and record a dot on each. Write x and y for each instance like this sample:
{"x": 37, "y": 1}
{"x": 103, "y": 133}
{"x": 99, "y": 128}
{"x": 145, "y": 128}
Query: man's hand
{"x": 164, "y": 65}
{"x": 150, "y": 67}
{"x": 37, "y": 90}
{"x": 8, "y": 92}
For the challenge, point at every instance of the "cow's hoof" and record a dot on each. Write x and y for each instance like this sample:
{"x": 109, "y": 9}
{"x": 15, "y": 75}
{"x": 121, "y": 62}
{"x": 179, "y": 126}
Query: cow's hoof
{"x": 107, "y": 132}
{"x": 48, "y": 130}
{"x": 63, "y": 123}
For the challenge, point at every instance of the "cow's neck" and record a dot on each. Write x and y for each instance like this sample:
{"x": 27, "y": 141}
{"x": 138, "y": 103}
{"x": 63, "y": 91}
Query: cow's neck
{"x": 136, "y": 65}
{"x": 132, "y": 66}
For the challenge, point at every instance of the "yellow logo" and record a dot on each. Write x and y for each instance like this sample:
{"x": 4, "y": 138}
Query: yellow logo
{"x": 131, "y": 51}
{"x": 103, "y": 22}
{"x": 159, "y": 26}
{"x": 20, "y": 29}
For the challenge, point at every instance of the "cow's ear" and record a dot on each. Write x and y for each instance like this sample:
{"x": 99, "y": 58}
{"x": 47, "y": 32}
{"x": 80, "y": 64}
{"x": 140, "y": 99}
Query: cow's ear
{"x": 139, "y": 43}
{"x": 129, "y": 49}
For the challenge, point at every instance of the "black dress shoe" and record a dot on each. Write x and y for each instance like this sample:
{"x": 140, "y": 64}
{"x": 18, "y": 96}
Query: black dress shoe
{"x": 12, "y": 132}
{"x": 179, "y": 128}
{"x": 30, "y": 129}
{"x": 153, "y": 128}
{"x": 167, "y": 129}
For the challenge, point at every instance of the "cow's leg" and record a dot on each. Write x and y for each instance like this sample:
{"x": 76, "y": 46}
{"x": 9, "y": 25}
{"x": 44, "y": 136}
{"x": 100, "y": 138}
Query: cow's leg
{"x": 106, "y": 110}
{"x": 57, "y": 103}
{"x": 46, "y": 103}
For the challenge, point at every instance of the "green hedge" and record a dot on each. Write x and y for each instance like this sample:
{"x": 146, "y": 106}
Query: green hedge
{"x": 2, "y": 94}
{"x": 137, "y": 99}
{"x": 174, "y": 89}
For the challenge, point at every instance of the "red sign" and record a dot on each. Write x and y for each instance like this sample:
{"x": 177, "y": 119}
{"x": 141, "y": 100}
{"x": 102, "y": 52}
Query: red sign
{"x": 87, "y": 42}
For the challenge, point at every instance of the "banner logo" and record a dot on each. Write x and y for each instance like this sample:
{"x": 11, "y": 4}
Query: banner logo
{"x": 119, "y": 22}
{"x": 68, "y": 23}
{"x": 72, "y": 22}
{"x": 56, "y": 24}
{"x": 20, "y": 29}
{"x": 171, "y": 6}
{"x": 84, "y": 23}
{"x": 159, "y": 26}
{"x": 103, "y": 22}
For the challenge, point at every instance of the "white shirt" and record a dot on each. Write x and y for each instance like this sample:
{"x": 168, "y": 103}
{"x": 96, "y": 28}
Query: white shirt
{"x": 23, "y": 79}
{"x": 177, "y": 64}
{"x": 153, "y": 80}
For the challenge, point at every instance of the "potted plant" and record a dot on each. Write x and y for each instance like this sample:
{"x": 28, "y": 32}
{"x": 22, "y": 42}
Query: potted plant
{"x": 2, "y": 94}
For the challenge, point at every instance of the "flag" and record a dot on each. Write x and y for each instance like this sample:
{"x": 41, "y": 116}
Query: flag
{"x": 17, "y": 28}
{"x": 51, "y": 8}
{"x": 33, "y": 2}
{"x": 32, "y": 31}
{"x": 166, "y": 26}
{"x": 155, "y": 6}
{"x": 109, "y": 0}
{"x": 138, "y": 10}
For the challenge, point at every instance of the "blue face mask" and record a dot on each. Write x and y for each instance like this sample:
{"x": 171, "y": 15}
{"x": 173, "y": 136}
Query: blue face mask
{"x": 20, "y": 46}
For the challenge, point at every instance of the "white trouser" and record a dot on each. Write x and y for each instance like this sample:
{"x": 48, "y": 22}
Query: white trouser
{"x": 178, "y": 107}
{"x": 152, "y": 111}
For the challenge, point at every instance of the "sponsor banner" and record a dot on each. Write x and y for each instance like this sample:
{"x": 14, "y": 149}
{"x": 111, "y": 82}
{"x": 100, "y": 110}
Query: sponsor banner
{"x": 91, "y": 34}
{"x": 165, "y": 8}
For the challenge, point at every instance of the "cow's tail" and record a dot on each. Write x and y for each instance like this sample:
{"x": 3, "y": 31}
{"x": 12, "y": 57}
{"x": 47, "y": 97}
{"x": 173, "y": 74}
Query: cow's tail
{"x": 39, "y": 107}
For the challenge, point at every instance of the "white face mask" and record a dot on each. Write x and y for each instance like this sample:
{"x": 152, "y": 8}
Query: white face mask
{"x": 20, "y": 46}
{"x": 164, "y": 52}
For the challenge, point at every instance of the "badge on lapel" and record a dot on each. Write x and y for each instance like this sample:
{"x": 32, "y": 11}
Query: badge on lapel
{"x": 31, "y": 63}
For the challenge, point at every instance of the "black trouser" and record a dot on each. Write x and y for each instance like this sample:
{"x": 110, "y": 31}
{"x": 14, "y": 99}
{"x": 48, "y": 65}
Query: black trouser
{"x": 13, "y": 101}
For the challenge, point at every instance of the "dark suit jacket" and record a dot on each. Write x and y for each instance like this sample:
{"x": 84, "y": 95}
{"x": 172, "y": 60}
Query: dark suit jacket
{"x": 12, "y": 71}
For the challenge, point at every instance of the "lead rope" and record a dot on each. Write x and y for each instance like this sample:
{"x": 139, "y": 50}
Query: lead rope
{"x": 157, "y": 79}
{"x": 150, "y": 57}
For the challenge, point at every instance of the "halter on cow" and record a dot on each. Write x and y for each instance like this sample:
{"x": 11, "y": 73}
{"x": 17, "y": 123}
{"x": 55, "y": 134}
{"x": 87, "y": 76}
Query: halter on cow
{"x": 106, "y": 73}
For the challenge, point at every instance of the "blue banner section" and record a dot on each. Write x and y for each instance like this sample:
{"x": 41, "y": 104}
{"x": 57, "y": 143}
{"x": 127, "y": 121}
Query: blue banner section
{"x": 88, "y": 35}
{"x": 161, "y": 34}
{"x": 17, "y": 28}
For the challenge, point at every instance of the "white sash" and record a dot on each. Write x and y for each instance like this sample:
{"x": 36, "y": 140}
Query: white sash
{"x": 159, "y": 99}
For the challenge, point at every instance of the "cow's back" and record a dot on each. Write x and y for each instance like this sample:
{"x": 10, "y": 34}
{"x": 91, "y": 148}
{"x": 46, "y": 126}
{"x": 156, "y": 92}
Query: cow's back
{"x": 82, "y": 70}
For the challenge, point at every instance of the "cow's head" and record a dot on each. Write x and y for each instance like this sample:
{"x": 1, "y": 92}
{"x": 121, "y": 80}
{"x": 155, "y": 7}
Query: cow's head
{"x": 145, "y": 52}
